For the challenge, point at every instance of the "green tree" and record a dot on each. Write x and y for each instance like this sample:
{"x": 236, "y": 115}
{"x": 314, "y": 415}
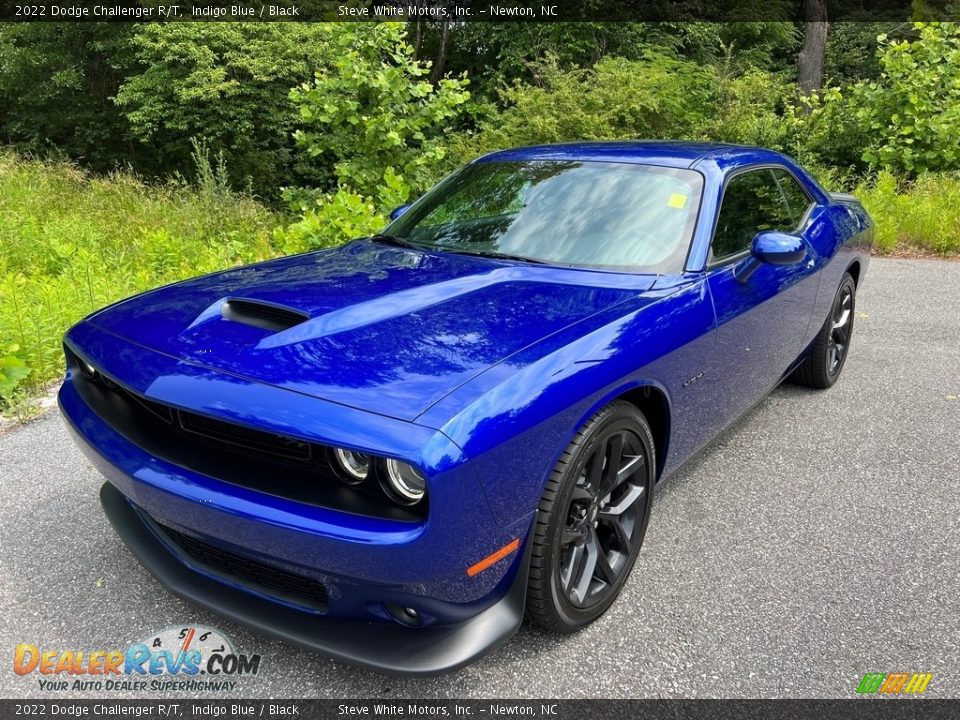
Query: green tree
{"x": 751, "y": 109}
{"x": 658, "y": 96}
{"x": 57, "y": 82}
{"x": 372, "y": 115}
{"x": 496, "y": 54}
{"x": 762, "y": 45}
{"x": 373, "y": 112}
{"x": 227, "y": 85}
{"x": 912, "y": 111}
{"x": 852, "y": 49}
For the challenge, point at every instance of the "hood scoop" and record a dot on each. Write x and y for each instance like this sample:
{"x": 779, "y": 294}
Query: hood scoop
{"x": 266, "y": 316}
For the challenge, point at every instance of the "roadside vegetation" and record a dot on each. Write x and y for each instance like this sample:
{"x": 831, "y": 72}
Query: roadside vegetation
{"x": 140, "y": 154}
{"x": 71, "y": 243}
{"x": 918, "y": 216}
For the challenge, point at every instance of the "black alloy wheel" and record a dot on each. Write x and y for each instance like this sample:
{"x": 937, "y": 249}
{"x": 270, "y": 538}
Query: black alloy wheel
{"x": 592, "y": 519}
{"x": 822, "y": 366}
{"x": 841, "y": 323}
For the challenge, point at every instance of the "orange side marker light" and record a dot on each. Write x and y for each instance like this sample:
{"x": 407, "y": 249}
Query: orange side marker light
{"x": 494, "y": 558}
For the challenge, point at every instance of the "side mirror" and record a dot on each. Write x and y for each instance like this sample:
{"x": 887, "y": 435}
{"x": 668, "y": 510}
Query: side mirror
{"x": 397, "y": 212}
{"x": 778, "y": 248}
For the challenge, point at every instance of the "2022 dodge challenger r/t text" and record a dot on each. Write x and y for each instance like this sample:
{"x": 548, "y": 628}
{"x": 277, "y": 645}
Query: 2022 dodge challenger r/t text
{"x": 390, "y": 451}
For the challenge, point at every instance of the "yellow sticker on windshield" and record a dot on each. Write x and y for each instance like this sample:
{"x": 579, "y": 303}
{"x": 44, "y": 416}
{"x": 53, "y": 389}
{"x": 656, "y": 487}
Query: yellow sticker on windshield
{"x": 677, "y": 201}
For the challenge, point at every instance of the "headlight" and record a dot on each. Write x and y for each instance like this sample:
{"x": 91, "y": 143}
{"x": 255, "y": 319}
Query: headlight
{"x": 404, "y": 483}
{"x": 355, "y": 466}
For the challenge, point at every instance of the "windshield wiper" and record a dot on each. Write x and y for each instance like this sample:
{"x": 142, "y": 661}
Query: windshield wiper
{"x": 395, "y": 241}
{"x": 497, "y": 256}
{"x": 401, "y": 242}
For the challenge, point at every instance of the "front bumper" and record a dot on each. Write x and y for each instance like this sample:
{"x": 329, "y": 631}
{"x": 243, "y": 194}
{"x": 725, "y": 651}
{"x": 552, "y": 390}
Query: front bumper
{"x": 366, "y": 564}
{"x": 381, "y": 646}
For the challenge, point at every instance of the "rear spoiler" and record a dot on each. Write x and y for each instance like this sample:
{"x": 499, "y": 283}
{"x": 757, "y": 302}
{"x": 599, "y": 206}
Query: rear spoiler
{"x": 845, "y": 198}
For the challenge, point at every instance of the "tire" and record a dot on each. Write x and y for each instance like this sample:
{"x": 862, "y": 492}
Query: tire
{"x": 825, "y": 361}
{"x": 578, "y": 511}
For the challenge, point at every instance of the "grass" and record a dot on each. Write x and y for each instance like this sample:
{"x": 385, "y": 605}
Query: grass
{"x": 71, "y": 243}
{"x": 922, "y": 215}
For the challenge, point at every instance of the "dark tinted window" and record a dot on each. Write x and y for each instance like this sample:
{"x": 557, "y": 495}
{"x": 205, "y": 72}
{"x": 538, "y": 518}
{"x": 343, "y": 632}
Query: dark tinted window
{"x": 797, "y": 200}
{"x": 752, "y": 202}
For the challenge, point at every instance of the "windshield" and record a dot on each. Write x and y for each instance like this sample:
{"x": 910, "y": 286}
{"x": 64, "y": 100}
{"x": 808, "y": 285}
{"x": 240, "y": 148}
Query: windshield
{"x": 620, "y": 216}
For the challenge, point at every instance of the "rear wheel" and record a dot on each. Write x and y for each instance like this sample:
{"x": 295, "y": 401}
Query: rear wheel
{"x": 591, "y": 520}
{"x": 822, "y": 366}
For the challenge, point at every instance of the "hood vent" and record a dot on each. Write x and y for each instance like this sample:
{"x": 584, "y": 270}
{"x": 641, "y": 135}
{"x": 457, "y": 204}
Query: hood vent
{"x": 262, "y": 315}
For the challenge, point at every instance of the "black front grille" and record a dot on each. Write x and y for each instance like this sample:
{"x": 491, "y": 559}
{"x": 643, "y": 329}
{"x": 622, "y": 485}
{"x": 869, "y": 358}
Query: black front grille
{"x": 262, "y": 315}
{"x": 269, "y": 580}
{"x": 238, "y": 437}
{"x": 248, "y": 439}
{"x": 164, "y": 412}
{"x": 279, "y": 465}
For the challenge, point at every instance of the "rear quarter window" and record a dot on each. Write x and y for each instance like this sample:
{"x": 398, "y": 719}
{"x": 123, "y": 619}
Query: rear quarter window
{"x": 797, "y": 199}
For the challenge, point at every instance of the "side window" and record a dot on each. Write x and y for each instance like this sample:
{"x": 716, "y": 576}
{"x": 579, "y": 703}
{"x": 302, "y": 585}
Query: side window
{"x": 797, "y": 199}
{"x": 751, "y": 202}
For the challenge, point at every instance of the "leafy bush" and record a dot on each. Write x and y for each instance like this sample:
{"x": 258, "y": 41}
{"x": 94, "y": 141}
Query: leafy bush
{"x": 852, "y": 48}
{"x": 912, "y": 111}
{"x": 765, "y": 109}
{"x": 373, "y": 110}
{"x": 827, "y": 132}
{"x": 752, "y": 109}
{"x": 331, "y": 219}
{"x": 71, "y": 243}
{"x": 374, "y": 117}
{"x": 657, "y": 96}
{"x": 12, "y": 371}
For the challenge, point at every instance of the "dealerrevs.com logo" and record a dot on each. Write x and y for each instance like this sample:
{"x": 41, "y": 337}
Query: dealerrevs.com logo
{"x": 176, "y": 658}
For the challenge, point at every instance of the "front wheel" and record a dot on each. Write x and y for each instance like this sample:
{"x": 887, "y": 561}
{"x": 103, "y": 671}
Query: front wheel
{"x": 822, "y": 366}
{"x": 591, "y": 520}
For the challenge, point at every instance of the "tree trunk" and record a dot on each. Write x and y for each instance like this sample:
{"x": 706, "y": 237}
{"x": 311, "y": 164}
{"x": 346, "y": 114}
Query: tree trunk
{"x": 811, "y": 58}
{"x": 440, "y": 63}
{"x": 418, "y": 36}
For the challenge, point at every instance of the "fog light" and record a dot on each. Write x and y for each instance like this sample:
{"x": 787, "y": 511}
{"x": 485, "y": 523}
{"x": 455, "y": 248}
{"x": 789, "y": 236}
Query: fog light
{"x": 404, "y": 484}
{"x": 88, "y": 370}
{"x": 405, "y": 615}
{"x": 355, "y": 466}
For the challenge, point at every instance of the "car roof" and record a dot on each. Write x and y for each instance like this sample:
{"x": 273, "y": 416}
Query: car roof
{"x": 669, "y": 153}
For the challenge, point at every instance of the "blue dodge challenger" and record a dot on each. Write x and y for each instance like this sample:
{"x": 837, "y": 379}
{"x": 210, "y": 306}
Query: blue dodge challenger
{"x": 391, "y": 451}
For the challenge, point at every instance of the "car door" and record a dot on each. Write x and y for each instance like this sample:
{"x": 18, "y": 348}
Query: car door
{"x": 762, "y": 310}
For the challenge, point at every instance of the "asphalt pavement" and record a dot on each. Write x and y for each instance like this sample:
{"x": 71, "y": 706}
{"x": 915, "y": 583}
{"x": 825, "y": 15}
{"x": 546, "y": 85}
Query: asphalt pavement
{"x": 814, "y": 541}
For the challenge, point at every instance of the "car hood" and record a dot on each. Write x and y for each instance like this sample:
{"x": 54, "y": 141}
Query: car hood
{"x": 382, "y": 329}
